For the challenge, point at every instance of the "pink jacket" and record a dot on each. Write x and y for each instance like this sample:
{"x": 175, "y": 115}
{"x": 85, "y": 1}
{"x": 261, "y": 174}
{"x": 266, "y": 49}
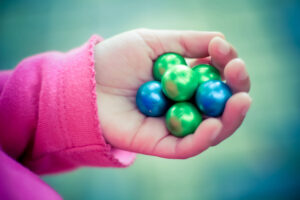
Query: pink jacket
{"x": 49, "y": 122}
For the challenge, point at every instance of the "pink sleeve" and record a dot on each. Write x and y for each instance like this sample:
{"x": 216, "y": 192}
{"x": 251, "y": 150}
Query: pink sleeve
{"x": 48, "y": 114}
{"x": 4, "y": 76}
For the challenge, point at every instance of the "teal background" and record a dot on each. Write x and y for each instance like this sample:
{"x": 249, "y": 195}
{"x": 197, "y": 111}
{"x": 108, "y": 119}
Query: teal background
{"x": 260, "y": 161}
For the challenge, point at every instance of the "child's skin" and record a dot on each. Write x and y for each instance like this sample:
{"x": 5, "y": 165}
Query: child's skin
{"x": 57, "y": 129}
{"x": 125, "y": 61}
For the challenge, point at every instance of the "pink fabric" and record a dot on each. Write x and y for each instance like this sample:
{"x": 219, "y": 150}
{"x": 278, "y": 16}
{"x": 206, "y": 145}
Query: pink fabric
{"x": 17, "y": 182}
{"x": 48, "y": 114}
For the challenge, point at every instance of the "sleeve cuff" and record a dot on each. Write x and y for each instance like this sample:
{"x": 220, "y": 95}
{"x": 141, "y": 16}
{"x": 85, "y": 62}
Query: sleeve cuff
{"x": 76, "y": 136}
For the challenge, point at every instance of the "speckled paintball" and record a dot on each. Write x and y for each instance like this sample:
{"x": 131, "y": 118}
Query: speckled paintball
{"x": 179, "y": 83}
{"x": 165, "y": 62}
{"x": 211, "y": 97}
{"x": 206, "y": 72}
{"x": 150, "y": 99}
{"x": 182, "y": 119}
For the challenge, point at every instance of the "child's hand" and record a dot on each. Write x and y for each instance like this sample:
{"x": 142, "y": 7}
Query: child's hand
{"x": 124, "y": 62}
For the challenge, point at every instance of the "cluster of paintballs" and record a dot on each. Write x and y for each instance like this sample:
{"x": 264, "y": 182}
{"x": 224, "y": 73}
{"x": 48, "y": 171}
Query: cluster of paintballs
{"x": 176, "y": 90}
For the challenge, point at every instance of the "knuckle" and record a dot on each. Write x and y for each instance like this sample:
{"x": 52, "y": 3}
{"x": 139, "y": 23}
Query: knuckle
{"x": 141, "y": 30}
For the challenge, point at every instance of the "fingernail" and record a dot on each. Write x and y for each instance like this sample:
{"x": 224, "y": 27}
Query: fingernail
{"x": 224, "y": 47}
{"x": 221, "y": 35}
{"x": 245, "y": 110}
{"x": 243, "y": 75}
{"x": 215, "y": 134}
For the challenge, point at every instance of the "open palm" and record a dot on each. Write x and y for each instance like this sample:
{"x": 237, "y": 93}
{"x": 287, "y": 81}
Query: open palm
{"x": 124, "y": 63}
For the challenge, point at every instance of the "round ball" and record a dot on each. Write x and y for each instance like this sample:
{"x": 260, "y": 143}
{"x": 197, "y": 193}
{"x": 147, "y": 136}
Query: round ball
{"x": 165, "y": 62}
{"x": 150, "y": 99}
{"x": 211, "y": 97}
{"x": 182, "y": 119}
{"x": 179, "y": 83}
{"x": 206, "y": 73}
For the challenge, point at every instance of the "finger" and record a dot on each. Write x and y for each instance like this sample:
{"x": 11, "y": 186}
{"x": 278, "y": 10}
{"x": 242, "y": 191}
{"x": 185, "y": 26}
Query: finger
{"x": 191, "y": 145}
{"x": 192, "y": 44}
{"x": 237, "y": 76}
{"x": 221, "y": 52}
{"x": 199, "y": 61}
{"x": 234, "y": 114}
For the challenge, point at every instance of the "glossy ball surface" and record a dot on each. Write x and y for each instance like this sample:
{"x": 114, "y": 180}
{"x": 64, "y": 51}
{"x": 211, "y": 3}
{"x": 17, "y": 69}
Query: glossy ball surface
{"x": 211, "y": 97}
{"x": 165, "y": 62}
{"x": 206, "y": 73}
{"x": 179, "y": 83}
{"x": 182, "y": 119}
{"x": 150, "y": 99}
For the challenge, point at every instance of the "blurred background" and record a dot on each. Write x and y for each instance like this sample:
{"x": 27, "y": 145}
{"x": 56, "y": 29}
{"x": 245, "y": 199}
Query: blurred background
{"x": 260, "y": 161}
